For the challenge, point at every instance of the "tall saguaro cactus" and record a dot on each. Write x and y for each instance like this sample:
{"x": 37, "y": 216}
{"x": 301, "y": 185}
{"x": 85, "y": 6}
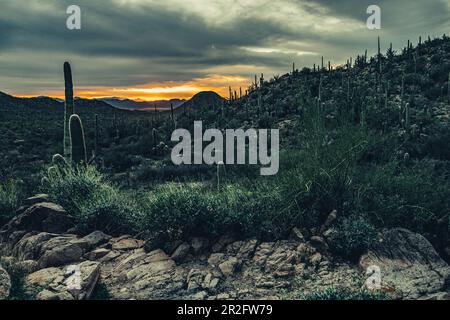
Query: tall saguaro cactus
{"x": 68, "y": 107}
{"x": 448, "y": 88}
{"x": 77, "y": 142}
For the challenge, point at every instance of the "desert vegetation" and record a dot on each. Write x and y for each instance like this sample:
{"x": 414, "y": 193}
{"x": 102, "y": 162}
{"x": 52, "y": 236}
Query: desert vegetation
{"x": 368, "y": 139}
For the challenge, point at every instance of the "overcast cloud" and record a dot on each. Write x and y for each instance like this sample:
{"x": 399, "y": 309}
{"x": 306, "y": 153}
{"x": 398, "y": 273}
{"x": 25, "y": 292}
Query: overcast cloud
{"x": 201, "y": 43}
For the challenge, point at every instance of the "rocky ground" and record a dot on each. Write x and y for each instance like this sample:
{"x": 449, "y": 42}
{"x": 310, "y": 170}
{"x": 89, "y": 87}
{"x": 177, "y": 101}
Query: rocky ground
{"x": 59, "y": 264}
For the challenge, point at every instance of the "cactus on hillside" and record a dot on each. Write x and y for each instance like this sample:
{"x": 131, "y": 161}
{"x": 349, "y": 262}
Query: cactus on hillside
{"x": 407, "y": 116}
{"x": 448, "y": 88}
{"x": 77, "y": 142}
{"x": 68, "y": 107}
{"x": 220, "y": 164}
{"x": 97, "y": 136}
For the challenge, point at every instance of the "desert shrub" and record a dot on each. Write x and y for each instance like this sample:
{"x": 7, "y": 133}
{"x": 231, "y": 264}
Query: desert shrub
{"x": 17, "y": 275}
{"x": 411, "y": 196}
{"x": 9, "y": 200}
{"x": 182, "y": 210}
{"x": 353, "y": 236}
{"x": 335, "y": 293}
{"x": 95, "y": 203}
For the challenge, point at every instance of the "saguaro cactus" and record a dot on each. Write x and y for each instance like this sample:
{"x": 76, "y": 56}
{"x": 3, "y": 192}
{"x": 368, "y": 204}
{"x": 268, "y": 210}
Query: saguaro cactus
{"x": 97, "y": 136}
{"x": 448, "y": 88}
{"x": 68, "y": 107}
{"x": 407, "y": 116}
{"x": 379, "y": 58}
{"x": 77, "y": 142}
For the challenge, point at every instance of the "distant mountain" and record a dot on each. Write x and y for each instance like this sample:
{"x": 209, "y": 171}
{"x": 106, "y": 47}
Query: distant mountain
{"x": 142, "y": 105}
{"x": 203, "y": 99}
{"x": 8, "y": 101}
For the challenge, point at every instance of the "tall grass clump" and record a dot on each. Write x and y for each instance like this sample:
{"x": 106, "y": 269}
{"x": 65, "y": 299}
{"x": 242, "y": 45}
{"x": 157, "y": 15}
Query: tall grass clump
{"x": 177, "y": 211}
{"x": 95, "y": 203}
{"x": 339, "y": 293}
{"x": 9, "y": 200}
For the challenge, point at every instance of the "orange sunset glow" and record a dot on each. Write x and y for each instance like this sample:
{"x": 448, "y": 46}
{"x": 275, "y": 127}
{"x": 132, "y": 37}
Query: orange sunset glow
{"x": 159, "y": 91}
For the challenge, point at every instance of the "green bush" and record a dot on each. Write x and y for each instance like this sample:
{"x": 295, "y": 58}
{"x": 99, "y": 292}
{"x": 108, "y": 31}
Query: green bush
{"x": 95, "y": 203}
{"x": 333, "y": 293}
{"x": 9, "y": 200}
{"x": 193, "y": 209}
{"x": 353, "y": 237}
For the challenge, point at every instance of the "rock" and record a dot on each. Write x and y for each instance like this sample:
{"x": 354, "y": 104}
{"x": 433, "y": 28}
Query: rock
{"x": 281, "y": 261}
{"x": 90, "y": 272}
{"x": 242, "y": 250}
{"x": 194, "y": 279}
{"x": 5, "y": 284}
{"x": 43, "y": 278}
{"x": 229, "y": 266}
{"x": 29, "y": 247}
{"x": 199, "y": 245}
{"x": 263, "y": 251}
{"x": 304, "y": 250}
{"x": 223, "y": 242}
{"x": 128, "y": 244}
{"x": 210, "y": 282}
{"x": 297, "y": 235}
{"x": 111, "y": 255}
{"x": 44, "y": 216}
{"x": 39, "y": 198}
{"x": 60, "y": 255}
{"x": 315, "y": 259}
{"x": 93, "y": 240}
{"x": 201, "y": 295}
{"x": 97, "y": 254}
{"x": 215, "y": 259}
{"x": 181, "y": 252}
{"x": 408, "y": 264}
{"x": 50, "y": 295}
{"x": 149, "y": 269}
{"x": 223, "y": 296}
{"x": 319, "y": 243}
{"x": 67, "y": 283}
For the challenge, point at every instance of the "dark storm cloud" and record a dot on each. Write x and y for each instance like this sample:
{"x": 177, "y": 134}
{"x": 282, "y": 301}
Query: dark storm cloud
{"x": 126, "y": 43}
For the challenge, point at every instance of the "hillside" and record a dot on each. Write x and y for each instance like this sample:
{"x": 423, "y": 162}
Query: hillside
{"x": 364, "y": 181}
{"x": 143, "y": 105}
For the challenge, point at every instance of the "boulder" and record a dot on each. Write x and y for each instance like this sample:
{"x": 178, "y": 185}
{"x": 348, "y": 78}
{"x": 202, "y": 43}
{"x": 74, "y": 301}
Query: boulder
{"x": 29, "y": 247}
{"x": 408, "y": 265}
{"x": 127, "y": 244}
{"x": 60, "y": 251}
{"x": 97, "y": 254}
{"x": 181, "y": 252}
{"x": 5, "y": 284}
{"x": 229, "y": 266}
{"x": 44, "y": 217}
{"x": 92, "y": 240}
{"x": 73, "y": 282}
{"x": 39, "y": 198}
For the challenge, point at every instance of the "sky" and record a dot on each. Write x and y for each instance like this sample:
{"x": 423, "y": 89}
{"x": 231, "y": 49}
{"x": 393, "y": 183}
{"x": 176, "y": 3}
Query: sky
{"x": 153, "y": 49}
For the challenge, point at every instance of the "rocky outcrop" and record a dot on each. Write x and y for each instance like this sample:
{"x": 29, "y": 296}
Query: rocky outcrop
{"x": 43, "y": 216}
{"x": 61, "y": 265}
{"x": 409, "y": 266}
{"x": 73, "y": 282}
{"x": 5, "y": 284}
